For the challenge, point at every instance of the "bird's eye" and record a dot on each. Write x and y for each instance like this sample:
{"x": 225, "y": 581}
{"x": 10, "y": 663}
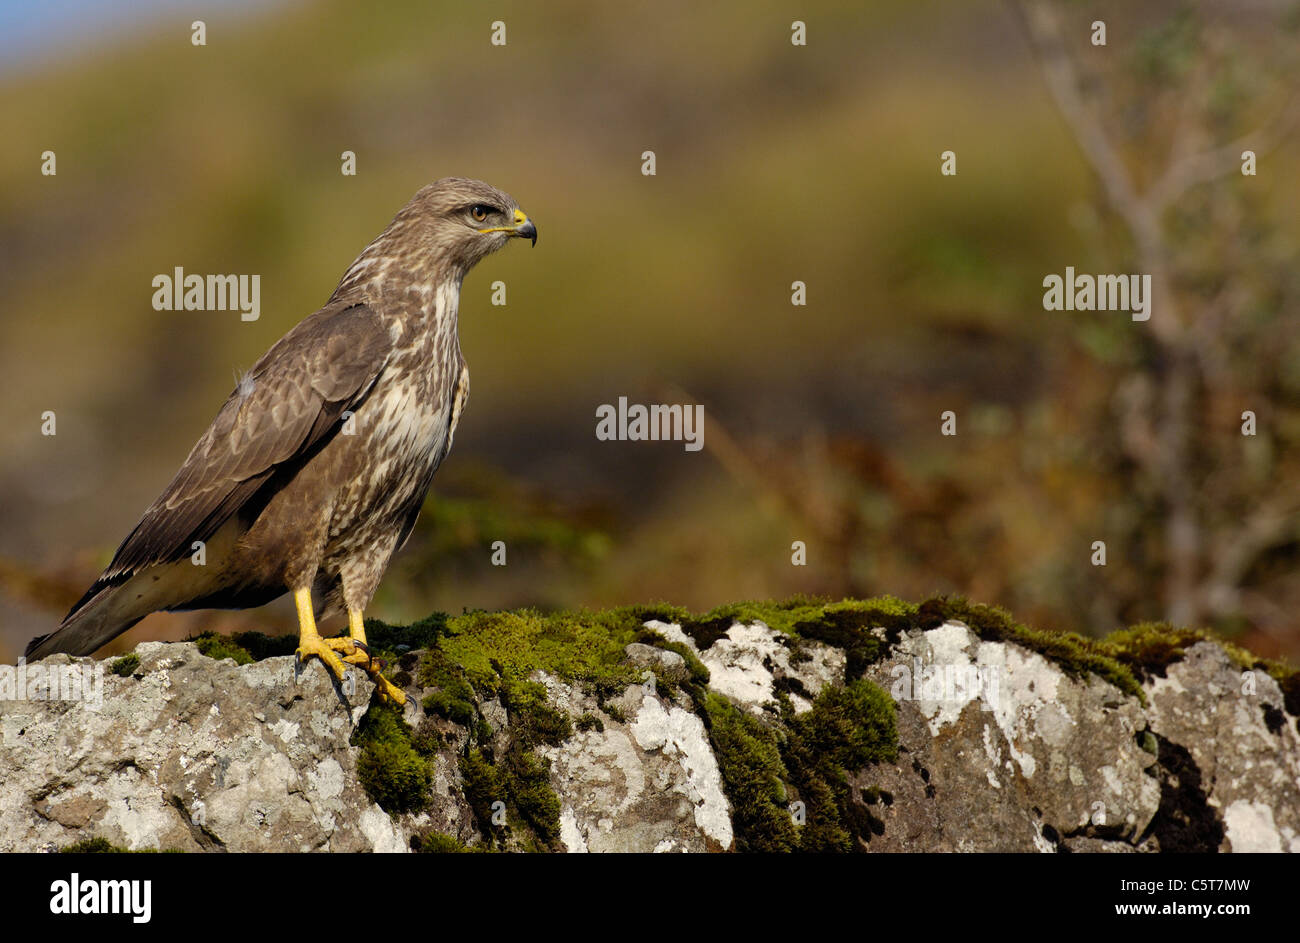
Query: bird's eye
{"x": 480, "y": 212}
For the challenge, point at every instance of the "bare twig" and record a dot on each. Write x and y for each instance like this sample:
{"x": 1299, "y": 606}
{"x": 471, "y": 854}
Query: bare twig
{"x": 1189, "y": 172}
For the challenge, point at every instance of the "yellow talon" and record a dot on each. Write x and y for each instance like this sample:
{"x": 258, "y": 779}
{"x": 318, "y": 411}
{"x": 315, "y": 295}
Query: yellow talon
{"x": 351, "y": 652}
{"x": 308, "y": 646}
{"x": 309, "y": 640}
{"x": 360, "y": 655}
{"x": 352, "y": 646}
{"x": 387, "y": 690}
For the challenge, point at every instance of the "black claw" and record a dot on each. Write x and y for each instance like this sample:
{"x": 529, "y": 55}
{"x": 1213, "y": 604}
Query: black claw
{"x": 370, "y": 659}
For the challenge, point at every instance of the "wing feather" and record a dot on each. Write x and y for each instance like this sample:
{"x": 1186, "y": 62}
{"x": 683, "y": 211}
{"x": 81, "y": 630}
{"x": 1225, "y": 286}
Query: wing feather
{"x": 290, "y": 401}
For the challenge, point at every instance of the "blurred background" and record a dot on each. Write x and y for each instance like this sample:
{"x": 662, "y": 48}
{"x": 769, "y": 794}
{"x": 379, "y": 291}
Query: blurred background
{"x": 775, "y": 163}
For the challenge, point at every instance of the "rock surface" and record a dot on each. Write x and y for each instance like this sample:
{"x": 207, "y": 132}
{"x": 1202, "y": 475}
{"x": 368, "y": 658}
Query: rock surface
{"x": 999, "y": 749}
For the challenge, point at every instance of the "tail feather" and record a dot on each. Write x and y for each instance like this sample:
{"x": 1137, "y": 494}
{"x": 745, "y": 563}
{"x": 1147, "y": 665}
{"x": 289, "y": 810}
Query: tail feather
{"x": 116, "y": 603}
{"x": 104, "y": 616}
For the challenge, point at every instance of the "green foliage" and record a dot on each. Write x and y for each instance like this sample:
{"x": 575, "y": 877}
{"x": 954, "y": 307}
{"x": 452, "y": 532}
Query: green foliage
{"x": 1166, "y": 52}
{"x": 615, "y": 712}
{"x": 125, "y": 666}
{"x": 1150, "y": 647}
{"x": 528, "y": 784}
{"x": 848, "y": 625}
{"x": 245, "y": 647}
{"x": 522, "y": 783}
{"x": 779, "y": 615}
{"x": 426, "y": 739}
{"x": 484, "y": 787}
{"x": 454, "y": 527}
{"x": 699, "y": 675}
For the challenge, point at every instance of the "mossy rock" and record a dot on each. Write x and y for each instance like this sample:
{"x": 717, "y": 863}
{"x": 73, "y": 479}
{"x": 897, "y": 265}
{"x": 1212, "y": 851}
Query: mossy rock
{"x": 390, "y": 768}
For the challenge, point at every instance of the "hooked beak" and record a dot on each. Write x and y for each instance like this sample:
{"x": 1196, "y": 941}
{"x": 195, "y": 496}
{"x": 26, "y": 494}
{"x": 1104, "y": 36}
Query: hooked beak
{"x": 523, "y": 227}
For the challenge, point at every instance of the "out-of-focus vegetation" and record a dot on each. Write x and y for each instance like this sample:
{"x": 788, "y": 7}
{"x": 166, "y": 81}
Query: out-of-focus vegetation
{"x": 775, "y": 163}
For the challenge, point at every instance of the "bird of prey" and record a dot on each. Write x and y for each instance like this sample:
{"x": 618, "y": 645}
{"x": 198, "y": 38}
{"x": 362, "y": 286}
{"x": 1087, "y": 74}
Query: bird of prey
{"x": 314, "y": 470}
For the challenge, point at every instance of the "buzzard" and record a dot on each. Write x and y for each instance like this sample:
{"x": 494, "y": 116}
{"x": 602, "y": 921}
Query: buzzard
{"x": 314, "y": 470}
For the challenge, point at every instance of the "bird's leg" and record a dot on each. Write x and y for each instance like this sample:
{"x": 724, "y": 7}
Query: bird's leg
{"x": 353, "y": 646}
{"x": 309, "y": 640}
{"x": 358, "y": 653}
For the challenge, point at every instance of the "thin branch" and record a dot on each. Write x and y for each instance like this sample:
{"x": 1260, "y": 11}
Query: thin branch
{"x": 1044, "y": 27}
{"x": 1189, "y": 172}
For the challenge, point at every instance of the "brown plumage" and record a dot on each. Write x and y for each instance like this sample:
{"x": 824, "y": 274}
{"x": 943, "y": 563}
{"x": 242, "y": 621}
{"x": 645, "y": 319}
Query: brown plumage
{"x": 314, "y": 470}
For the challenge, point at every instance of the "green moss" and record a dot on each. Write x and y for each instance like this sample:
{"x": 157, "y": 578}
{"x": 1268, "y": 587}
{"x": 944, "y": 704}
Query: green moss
{"x": 848, "y": 729}
{"x": 440, "y": 843}
{"x": 1288, "y": 680}
{"x": 391, "y": 770}
{"x": 807, "y": 758}
{"x": 93, "y": 846}
{"x": 528, "y": 784}
{"x": 261, "y": 646}
{"x": 698, "y": 673}
{"x": 614, "y": 711}
{"x": 392, "y": 641}
{"x": 577, "y": 646}
{"x": 1077, "y": 656}
{"x": 426, "y": 740}
{"x": 779, "y": 615}
{"x": 765, "y": 766}
{"x": 753, "y": 774}
{"x": 521, "y": 779}
{"x": 244, "y": 647}
{"x": 521, "y": 786}
{"x": 222, "y": 646}
{"x": 1151, "y": 647}
{"x": 848, "y": 625}
{"x": 102, "y": 846}
{"x": 454, "y": 697}
{"x": 532, "y": 719}
{"x": 484, "y": 787}
{"x": 125, "y": 666}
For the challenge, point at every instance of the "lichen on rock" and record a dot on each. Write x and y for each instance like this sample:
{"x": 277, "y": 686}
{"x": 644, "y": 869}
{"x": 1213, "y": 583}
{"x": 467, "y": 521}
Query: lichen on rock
{"x": 804, "y": 724}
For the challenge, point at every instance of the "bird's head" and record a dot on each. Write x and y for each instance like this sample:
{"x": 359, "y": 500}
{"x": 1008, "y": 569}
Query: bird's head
{"x": 469, "y": 217}
{"x": 445, "y": 229}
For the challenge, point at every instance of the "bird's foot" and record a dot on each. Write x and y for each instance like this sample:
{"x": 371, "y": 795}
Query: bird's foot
{"x": 315, "y": 645}
{"x": 388, "y": 691}
{"x": 358, "y": 653}
{"x": 353, "y": 652}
